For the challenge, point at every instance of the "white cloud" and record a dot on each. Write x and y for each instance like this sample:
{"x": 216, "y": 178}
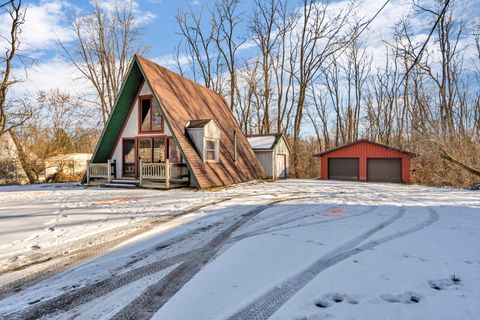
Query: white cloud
{"x": 109, "y": 7}
{"x": 382, "y": 27}
{"x": 50, "y": 74}
{"x": 45, "y": 23}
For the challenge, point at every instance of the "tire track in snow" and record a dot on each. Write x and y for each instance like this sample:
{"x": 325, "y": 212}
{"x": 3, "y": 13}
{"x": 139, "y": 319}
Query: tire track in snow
{"x": 270, "y": 229}
{"x": 77, "y": 297}
{"x": 59, "y": 260}
{"x": 83, "y": 295}
{"x": 156, "y": 295}
{"x": 277, "y": 222}
{"x": 266, "y": 305}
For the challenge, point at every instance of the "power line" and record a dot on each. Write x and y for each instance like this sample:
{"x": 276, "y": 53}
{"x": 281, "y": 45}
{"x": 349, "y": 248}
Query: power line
{"x": 365, "y": 26}
{"x": 417, "y": 58}
{"x": 8, "y": 2}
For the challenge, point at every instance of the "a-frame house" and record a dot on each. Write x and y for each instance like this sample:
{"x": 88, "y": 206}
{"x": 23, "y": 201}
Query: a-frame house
{"x": 166, "y": 131}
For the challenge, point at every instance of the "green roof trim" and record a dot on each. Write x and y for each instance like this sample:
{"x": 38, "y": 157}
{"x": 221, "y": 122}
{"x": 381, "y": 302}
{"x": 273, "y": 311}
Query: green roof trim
{"x": 118, "y": 115}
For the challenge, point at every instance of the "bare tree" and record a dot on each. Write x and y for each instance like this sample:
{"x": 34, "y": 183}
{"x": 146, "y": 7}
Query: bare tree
{"x": 226, "y": 20}
{"x": 10, "y": 120}
{"x": 248, "y": 76}
{"x": 105, "y": 42}
{"x": 321, "y": 35}
{"x": 199, "y": 46}
{"x": 449, "y": 31}
{"x": 265, "y": 35}
{"x": 16, "y": 13}
{"x": 284, "y": 59}
{"x": 51, "y": 130}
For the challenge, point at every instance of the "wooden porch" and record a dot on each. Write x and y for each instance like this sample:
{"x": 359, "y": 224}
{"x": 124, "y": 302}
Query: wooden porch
{"x": 150, "y": 175}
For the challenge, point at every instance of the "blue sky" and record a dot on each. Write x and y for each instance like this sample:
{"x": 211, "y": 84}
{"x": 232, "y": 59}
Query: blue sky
{"x": 47, "y": 22}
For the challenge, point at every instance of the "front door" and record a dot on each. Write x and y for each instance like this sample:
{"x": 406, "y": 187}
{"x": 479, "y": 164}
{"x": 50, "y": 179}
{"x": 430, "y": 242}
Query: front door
{"x": 128, "y": 167}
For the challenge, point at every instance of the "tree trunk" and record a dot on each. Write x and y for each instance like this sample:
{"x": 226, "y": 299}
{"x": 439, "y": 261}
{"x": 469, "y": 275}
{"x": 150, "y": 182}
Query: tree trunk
{"x": 445, "y": 155}
{"x": 23, "y": 157}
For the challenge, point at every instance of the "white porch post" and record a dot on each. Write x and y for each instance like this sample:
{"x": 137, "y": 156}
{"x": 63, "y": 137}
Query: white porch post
{"x": 140, "y": 175}
{"x": 109, "y": 171}
{"x": 167, "y": 174}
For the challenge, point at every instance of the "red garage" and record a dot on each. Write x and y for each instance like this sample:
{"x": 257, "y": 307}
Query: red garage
{"x": 365, "y": 160}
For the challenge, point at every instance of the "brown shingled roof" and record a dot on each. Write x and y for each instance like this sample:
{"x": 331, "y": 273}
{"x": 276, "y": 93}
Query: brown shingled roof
{"x": 183, "y": 101}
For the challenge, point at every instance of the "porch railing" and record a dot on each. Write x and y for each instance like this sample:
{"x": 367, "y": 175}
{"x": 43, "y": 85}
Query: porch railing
{"x": 162, "y": 171}
{"x": 147, "y": 171}
{"x": 153, "y": 170}
{"x": 100, "y": 170}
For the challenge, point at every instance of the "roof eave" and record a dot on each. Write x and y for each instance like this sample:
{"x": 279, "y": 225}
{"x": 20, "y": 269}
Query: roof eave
{"x": 411, "y": 154}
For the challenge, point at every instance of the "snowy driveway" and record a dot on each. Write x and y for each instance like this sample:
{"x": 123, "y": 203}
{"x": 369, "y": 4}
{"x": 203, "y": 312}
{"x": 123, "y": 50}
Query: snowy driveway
{"x": 295, "y": 249}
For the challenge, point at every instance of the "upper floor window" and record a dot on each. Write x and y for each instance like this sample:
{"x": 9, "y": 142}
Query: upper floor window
{"x": 212, "y": 150}
{"x": 150, "y": 116}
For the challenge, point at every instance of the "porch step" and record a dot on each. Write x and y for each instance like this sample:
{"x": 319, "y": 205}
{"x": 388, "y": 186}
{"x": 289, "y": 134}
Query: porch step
{"x": 126, "y": 181}
{"x": 121, "y": 185}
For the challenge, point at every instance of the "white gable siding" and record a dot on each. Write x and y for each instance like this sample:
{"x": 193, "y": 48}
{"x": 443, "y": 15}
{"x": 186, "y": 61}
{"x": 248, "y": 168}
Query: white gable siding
{"x": 212, "y": 131}
{"x": 131, "y": 130}
{"x": 145, "y": 90}
{"x": 281, "y": 147}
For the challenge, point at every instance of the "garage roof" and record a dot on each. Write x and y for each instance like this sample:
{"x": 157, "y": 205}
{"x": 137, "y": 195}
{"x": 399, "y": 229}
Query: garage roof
{"x": 367, "y": 141}
{"x": 264, "y": 141}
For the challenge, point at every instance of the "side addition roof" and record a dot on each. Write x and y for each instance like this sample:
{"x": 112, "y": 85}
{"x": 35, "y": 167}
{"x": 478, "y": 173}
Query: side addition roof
{"x": 366, "y": 141}
{"x": 198, "y": 123}
{"x": 265, "y": 141}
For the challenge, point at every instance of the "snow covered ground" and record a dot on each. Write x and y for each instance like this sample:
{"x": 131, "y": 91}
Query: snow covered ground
{"x": 294, "y": 249}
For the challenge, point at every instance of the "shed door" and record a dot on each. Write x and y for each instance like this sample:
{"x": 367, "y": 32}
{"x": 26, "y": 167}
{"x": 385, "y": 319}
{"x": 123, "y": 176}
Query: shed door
{"x": 281, "y": 166}
{"x": 343, "y": 168}
{"x": 384, "y": 170}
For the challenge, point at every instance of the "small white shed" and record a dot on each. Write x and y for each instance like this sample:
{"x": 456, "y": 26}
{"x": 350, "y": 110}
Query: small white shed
{"x": 273, "y": 153}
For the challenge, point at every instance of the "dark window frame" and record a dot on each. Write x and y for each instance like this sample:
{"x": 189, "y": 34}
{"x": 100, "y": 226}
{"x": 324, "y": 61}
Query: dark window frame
{"x": 140, "y": 112}
{"x": 165, "y": 141}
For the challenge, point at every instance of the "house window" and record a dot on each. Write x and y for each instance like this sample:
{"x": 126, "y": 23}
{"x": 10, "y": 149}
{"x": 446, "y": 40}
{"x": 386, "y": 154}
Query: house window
{"x": 151, "y": 150}
{"x": 211, "y": 150}
{"x": 150, "y": 116}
